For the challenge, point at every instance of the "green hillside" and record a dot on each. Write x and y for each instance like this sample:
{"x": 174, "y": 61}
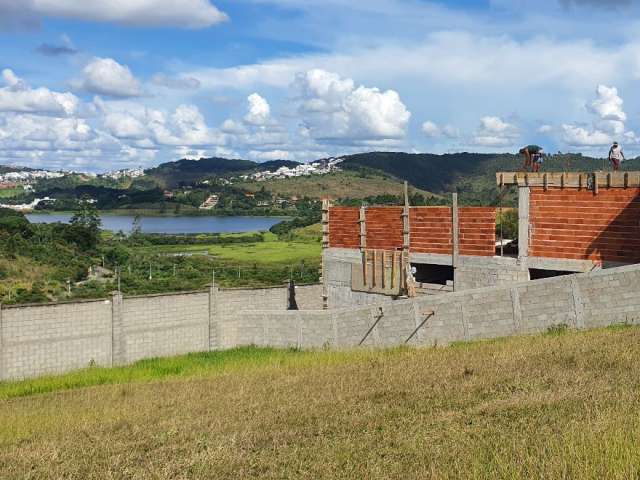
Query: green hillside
{"x": 470, "y": 174}
{"x": 337, "y": 185}
{"x": 184, "y": 172}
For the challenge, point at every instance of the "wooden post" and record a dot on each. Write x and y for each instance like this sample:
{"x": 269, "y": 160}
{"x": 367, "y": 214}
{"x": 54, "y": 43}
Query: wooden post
{"x": 595, "y": 183}
{"x": 455, "y": 232}
{"x": 393, "y": 269}
{"x": 373, "y": 268}
{"x": 363, "y": 242}
{"x": 406, "y": 237}
{"x": 326, "y": 206}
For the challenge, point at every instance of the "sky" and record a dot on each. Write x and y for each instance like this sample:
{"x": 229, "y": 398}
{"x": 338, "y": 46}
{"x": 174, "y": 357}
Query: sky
{"x": 104, "y": 84}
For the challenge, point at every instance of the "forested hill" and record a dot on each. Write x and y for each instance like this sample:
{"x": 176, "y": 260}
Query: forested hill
{"x": 172, "y": 174}
{"x": 465, "y": 172}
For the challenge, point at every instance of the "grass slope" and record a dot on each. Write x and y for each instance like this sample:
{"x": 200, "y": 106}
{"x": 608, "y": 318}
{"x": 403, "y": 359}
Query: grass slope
{"x": 334, "y": 185}
{"x": 552, "y": 406}
{"x": 270, "y": 251}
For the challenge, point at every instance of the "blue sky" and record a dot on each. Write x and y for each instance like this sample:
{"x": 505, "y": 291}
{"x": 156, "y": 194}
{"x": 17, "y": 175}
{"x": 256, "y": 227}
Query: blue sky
{"x": 97, "y": 86}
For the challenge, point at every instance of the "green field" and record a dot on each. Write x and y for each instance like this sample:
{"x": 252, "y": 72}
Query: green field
{"x": 560, "y": 405}
{"x": 271, "y": 251}
{"x": 10, "y": 192}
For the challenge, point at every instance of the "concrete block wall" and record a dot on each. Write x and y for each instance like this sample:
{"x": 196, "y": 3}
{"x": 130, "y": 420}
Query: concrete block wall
{"x": 572, "y": 223}
{"x": 470, "y": 275}
{"x": 233, "y": 299}
{"x": 337, "y": 276}
{"x": 47, "y": 339}
{"x": 309, "y": 297}
{"x": 36, "y": 340}
{"x": 588, "y": 300}
{"x": 164, "y": 325}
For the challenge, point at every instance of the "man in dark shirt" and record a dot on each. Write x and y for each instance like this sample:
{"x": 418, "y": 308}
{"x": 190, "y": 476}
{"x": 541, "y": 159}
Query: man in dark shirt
{"x": 532, "y": 157}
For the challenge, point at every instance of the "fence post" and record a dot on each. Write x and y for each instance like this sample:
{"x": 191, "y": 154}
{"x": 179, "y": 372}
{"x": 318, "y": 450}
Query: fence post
{"x": 118, "y": 353}
{"x": 213, "y": 324}
{"x": 326, "y": 205}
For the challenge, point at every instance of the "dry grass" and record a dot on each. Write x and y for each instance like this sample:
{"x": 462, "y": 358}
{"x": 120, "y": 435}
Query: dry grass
{"x": 554, "y": 406}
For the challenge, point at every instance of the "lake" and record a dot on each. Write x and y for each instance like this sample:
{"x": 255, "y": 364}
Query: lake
{"x": 172, "y": 225}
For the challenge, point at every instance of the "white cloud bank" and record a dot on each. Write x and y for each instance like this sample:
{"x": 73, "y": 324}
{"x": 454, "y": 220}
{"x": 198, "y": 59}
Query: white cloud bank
{"x": 17, "y": 96}
{"x": 145, "y": 13}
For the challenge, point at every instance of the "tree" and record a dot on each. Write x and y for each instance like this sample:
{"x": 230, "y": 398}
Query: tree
{"x": 84, "y": 228}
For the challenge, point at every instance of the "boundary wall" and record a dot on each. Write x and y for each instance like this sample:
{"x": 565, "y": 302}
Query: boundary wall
{"x": 47, "y": 339}
{"x": 53, "y": 338}
{"x": 588, "y": 300}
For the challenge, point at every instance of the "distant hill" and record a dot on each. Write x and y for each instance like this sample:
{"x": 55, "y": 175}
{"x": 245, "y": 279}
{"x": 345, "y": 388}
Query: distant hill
{"x": 470, "y": 174}
{"x": 172, "y": 174}
{"x": 336, "y": 185}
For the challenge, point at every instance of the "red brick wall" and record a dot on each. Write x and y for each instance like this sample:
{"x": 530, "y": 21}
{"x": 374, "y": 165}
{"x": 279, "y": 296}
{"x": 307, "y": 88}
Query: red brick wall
{"x": 576, "y": 224}
{"x": 384, "y": 228}
{"x": 431, "y": 230}
{"x": 477, "y": 231}
{"x": 344, "y": 229}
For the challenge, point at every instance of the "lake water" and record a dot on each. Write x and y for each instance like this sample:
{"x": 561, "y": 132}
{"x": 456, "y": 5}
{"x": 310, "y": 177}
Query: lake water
{"x": 172, "y": 225}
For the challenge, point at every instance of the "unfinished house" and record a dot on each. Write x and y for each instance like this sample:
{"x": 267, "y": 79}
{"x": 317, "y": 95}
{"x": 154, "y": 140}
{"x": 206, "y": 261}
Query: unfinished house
{"x": 568, "y": 223}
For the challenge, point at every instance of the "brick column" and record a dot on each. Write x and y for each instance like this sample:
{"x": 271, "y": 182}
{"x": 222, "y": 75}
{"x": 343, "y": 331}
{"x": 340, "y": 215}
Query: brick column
{"x": 118, "y": 347}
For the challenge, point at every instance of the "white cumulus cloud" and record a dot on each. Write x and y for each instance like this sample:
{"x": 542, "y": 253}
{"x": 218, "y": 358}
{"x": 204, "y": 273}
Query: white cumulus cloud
{"x": 105, "y": 76}
{"x": 608, "y": 125}
{"x": 333, "y": 109}
{"x": 16, "y": 96}
{"x": 495, "y": 132}
{"x": 259, "y": 110}
{"x": 433, "y": 130}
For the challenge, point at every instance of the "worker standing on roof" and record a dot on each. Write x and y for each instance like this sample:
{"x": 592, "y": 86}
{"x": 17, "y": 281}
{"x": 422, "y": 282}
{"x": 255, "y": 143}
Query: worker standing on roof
{"x": 616, "y": 155}
{"x": 532, "y": 157}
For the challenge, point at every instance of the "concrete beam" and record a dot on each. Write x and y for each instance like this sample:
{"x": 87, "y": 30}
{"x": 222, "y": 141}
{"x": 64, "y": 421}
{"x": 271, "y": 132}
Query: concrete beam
{"x": 590, "y": 180}
{"x": 455, "y": 228}
{"x": 524, "y": 195}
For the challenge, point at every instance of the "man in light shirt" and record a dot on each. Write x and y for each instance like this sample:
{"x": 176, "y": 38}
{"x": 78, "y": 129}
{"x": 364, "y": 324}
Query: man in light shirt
{"x": 616, "y": 155}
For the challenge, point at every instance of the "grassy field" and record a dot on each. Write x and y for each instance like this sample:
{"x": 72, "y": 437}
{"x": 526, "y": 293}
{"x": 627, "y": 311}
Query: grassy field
{"x": 334, "y": 185}
{"x": 271, "y": 251}
{"x": 562, "y": 405}
{"x": 10, "y": 192}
